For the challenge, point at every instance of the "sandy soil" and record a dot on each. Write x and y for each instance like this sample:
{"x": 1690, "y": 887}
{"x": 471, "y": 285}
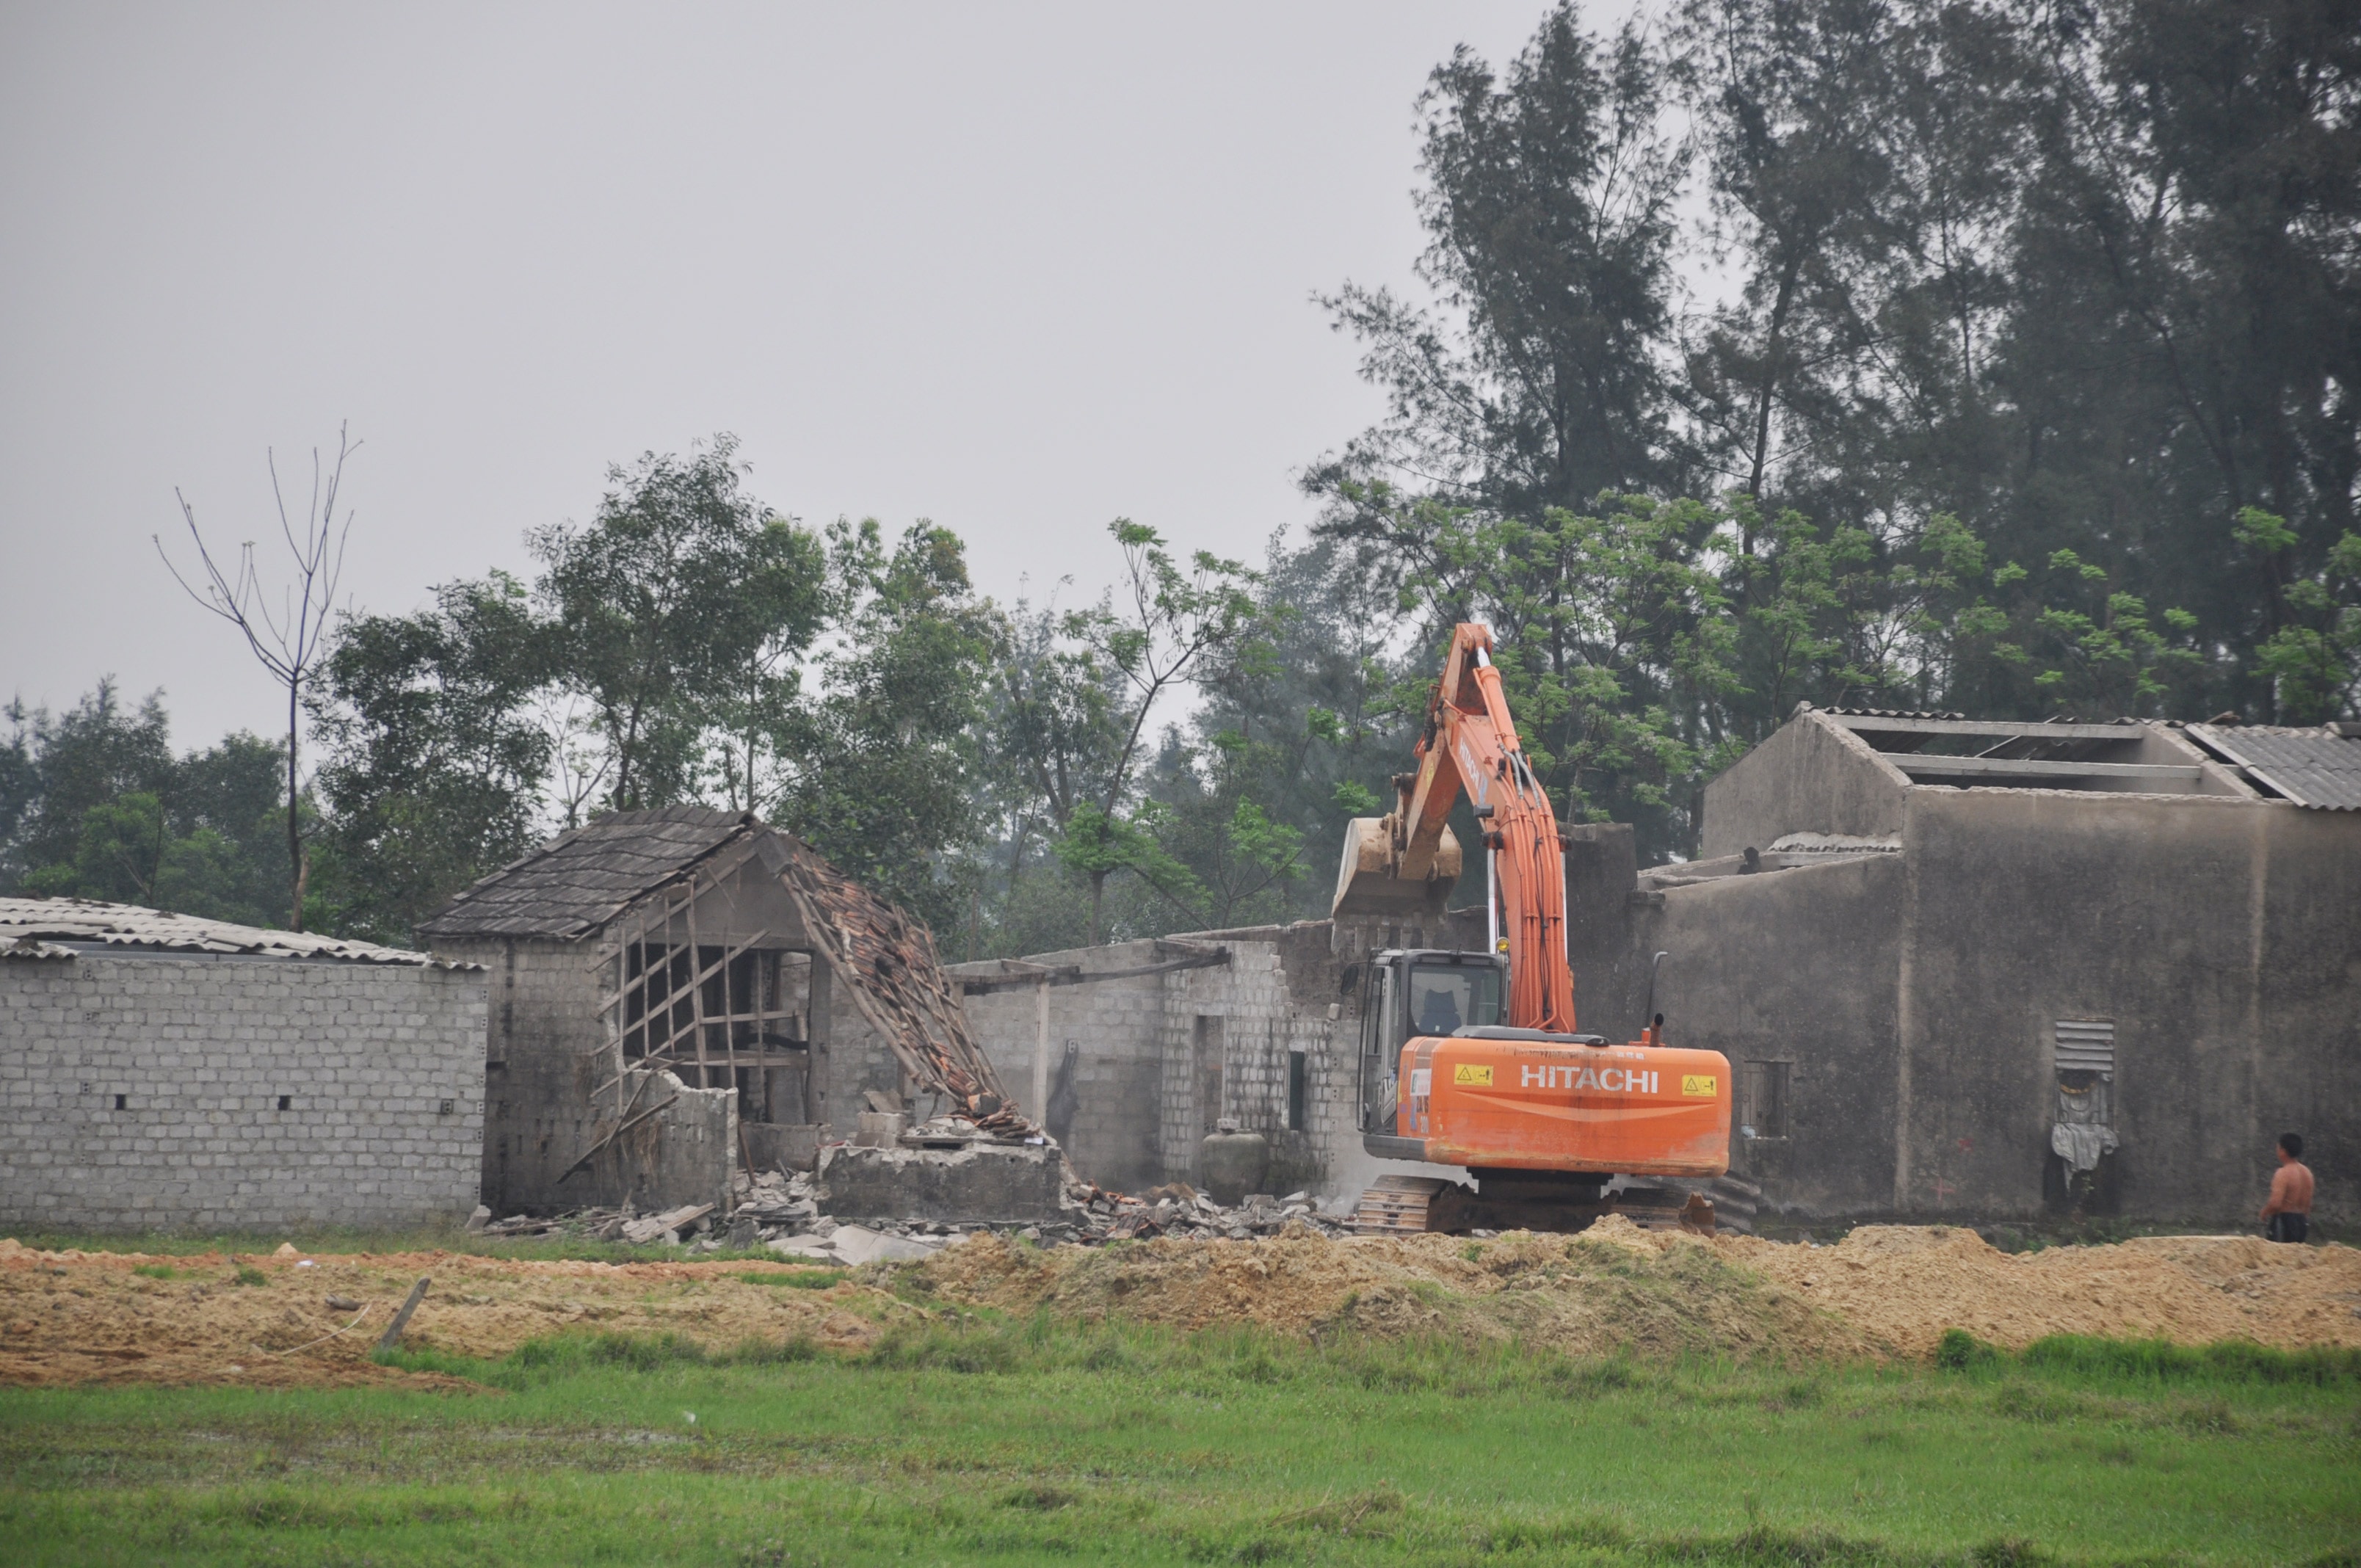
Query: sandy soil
{"x": 91, "y": 1318}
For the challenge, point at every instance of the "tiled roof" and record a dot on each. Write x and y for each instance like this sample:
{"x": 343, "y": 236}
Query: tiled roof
{"x": 50, "y": 928}
{"x": 580, "y": 880}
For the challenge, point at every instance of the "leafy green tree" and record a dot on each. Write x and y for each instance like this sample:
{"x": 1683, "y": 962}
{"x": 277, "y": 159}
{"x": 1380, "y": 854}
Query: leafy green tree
{"x": 1549, "y": 208}
{"x": 670, "y": 606}
{"x": 2313, "y": 660}
{"x": 1152, "y": 634}
{"x": 879, "y": 766}
{"x": 103, "y": 810}
{"x": 434, "y": 761}
{"x": 95, "y": 753}
{"x": 130, "y": 853}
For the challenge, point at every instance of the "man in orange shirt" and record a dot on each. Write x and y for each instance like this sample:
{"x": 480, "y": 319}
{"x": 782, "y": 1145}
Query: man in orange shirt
{"x": 2289, "y": 1213}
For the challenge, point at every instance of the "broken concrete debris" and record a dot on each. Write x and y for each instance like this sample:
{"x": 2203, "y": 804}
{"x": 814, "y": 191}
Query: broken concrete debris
{"x": 783, "y": 1214}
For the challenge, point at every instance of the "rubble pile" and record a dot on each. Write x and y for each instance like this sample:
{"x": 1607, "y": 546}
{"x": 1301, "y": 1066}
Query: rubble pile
{"x": 781, "y": 1213}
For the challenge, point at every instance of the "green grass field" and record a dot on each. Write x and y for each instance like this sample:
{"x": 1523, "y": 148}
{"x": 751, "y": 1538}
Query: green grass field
{"x": 1029, "y": 1442}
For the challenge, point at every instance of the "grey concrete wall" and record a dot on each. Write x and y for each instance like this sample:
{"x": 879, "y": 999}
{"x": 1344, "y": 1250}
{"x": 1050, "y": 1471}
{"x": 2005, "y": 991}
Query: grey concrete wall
{"x": 1917, "y": 995}
{"x": 1812, "y": 776}
{"x": 382, "y": 1067}
{"x": 2213, "y": 931}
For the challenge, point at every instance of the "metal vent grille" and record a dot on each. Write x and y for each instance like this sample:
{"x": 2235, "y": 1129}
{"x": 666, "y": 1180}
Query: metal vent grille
{"x": 2087, "y": 1045}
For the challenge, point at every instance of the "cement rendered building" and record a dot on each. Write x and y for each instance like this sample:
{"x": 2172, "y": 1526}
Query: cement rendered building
{"x": 1996, "y": 972}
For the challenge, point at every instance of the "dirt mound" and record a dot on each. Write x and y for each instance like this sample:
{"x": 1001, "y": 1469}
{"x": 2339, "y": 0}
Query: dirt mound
{"x": 1886, "y": 1290}
{"x": 73, "y": 1317}
{"x": 1905, "y": 1285}
{"x": 1889, "y": 1289}
{"x": 1587, "y": 1295}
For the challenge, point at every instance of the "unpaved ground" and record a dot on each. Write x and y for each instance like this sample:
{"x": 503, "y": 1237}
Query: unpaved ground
{"x": 1884, "y": 1289}
{"x": 92, "y": 1317}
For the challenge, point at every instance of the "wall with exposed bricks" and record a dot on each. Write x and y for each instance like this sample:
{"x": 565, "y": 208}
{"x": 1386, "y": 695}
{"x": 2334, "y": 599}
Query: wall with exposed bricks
{"x": 144, "y": 1092}
{"x": 1154, "y": 1050}
{"x": 550, "y": 1096}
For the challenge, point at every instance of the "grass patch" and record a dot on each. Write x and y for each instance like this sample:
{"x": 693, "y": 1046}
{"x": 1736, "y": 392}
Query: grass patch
{"x": 249, "y": 1275}
{"x": 2114, "y": 1363}
{"x": 803, "y": 1280}
{"x": 1023, "y": 1439}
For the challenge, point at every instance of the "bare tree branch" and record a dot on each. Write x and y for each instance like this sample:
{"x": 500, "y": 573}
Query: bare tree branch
{"x": 290, "y": 643}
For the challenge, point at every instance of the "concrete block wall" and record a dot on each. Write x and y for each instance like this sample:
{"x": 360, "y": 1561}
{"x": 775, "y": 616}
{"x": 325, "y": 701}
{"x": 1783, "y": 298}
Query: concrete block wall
{"x": 1140, "y": 1119}
{"x": 548, "y": 1099}
{"x": 1118, "y": 1026}
{"x": 380, "y": 1068}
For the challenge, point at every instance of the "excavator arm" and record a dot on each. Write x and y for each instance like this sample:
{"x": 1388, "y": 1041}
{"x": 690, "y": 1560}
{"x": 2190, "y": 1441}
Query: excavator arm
{"x": 1470, "y": 745}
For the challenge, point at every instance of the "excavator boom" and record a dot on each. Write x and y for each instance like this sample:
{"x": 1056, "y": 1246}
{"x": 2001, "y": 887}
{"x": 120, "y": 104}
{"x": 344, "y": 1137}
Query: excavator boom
{"x": 1470, "y": 744}
{"x": 1542, "y": 1115}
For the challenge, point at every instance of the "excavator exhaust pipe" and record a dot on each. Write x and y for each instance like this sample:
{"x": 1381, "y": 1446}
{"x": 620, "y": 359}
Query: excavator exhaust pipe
{"x": 1367, "y": 885}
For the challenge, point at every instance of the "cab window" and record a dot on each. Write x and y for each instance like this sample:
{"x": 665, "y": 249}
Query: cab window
{"x": 1444, "y": 997}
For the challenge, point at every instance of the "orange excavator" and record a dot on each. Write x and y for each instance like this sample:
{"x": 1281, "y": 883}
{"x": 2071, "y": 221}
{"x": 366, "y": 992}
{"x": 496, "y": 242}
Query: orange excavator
{"x": 1553, "y": 1124}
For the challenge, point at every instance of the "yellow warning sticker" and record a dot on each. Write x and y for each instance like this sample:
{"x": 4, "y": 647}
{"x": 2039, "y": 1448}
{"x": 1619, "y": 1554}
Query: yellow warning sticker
{"x": 1469, "y": 1073}
{"x": 1701, "y": 1085}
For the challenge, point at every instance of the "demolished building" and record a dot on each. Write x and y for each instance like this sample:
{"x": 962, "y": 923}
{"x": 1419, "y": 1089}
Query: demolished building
{"x": 1139, "y": 1049}
{"x": 163, "y": 1073}
{"x": 684, "y": 995}
{"x": 1995, "y": 971}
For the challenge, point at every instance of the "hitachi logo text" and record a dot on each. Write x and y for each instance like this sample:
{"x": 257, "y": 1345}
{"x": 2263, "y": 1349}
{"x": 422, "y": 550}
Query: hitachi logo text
{"x": 1609, "y": 1079}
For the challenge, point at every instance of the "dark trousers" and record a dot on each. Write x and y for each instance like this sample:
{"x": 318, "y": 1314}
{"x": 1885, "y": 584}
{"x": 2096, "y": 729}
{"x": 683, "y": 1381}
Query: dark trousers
{"x": 2288, "y": 1227}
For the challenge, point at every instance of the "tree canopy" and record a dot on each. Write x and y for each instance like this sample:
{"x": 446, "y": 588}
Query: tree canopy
{"x": 1995, "y": 356}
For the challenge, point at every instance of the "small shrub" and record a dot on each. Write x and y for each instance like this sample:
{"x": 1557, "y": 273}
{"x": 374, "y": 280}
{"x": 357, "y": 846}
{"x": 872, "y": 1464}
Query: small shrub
{"x": 1960, "y": 1350}
{"x": 249, "y": 1275}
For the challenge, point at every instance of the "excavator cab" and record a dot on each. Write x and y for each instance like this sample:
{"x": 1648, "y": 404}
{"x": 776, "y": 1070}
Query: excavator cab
{"x": 1407, "y": 992}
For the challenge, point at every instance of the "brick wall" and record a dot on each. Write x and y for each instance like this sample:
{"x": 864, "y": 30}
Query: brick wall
{"x": 203, "y": 1051}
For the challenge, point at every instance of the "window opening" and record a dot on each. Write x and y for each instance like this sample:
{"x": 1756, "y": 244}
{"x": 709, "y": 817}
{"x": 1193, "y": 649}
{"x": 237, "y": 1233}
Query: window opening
{"x": 1296, "y": 1095}
{"x": 287, "y": 1102}
{"x": 1208, "y": 1054}
{"x": 1447, "y": 997}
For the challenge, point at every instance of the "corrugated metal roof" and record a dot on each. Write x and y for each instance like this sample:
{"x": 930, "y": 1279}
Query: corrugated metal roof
{"x": 579, "y": 880}
{"x": 2315, "y": 768}
{"x": 36, "y": 927}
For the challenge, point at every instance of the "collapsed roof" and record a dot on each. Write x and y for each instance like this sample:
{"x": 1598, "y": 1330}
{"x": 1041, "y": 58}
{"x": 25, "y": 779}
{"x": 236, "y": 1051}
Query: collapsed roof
{"x": 2317, "y": 768}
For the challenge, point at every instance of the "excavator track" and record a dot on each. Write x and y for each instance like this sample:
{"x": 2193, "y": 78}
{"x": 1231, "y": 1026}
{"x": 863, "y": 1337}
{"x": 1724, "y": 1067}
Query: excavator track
{"x": 1422, "y": 1205}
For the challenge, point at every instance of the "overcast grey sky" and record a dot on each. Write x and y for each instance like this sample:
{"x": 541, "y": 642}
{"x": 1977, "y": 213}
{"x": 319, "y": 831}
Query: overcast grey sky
{"x": 1018, "y": 269}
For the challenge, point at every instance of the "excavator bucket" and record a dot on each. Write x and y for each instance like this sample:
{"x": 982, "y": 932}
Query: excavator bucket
{"x": 1366, "y": 883}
